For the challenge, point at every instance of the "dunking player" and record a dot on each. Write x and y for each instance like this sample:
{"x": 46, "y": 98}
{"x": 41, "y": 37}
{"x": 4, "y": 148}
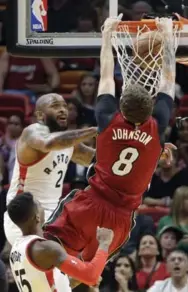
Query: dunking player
{"x": 33, "y": 258}
{"x": 129, "y": 145}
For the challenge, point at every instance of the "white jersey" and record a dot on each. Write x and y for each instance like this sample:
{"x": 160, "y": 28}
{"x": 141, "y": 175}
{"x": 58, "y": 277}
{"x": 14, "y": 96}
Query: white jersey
{"x": 27, "y": 276}
{"x": 44, "y": 179}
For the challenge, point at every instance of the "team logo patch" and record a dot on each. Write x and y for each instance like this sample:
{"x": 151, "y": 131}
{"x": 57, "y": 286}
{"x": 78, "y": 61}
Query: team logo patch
{"x": 39, "y": 21}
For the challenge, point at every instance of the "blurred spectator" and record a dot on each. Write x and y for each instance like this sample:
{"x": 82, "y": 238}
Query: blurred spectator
{"x": 8, "y": 142}
{"x": 151, "y": 267}
{"x": 179, "y": 211}
{"x": 182, "y": 142}
{"x": 181, "y": 77}
{"x": 2, "y": 170}
{"x": 169, "y": 237}
{"x": 104, "y": 12}
{"x": 63, "y": 14}
{"x": 13, "y": 132}
{"x": 3, "y": 278}
{"x": 30, "y": 76}
{"x": 143, "y": 225}
{"x": 86, "y": 64}
{"x": 87, "y": 94}
{"x": 75, "y": 113}
{"x": 87, "y": 21}
{"x": 87, "y": 91}
{"x": 178, "y": 91}
{"x": 166, "y": 179}
{"x": 177, "y": 264}
{"x": 123, "y": 7}
{"x": 140, "y": 8}
{"x": 172, "y": 130}
{"x": 122, "y": 276}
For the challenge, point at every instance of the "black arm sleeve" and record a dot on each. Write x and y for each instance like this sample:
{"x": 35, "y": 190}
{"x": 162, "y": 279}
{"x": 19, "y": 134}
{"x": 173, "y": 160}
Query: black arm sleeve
{"x": 162, "y": 111}
{"x": 105, "y": 110}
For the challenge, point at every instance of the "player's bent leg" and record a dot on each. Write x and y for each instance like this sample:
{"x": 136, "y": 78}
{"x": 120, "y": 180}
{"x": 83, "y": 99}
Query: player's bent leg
{"x": 121, "y": 225}
{"x": 63, "y": 224}
{"x": 122, "y": 236}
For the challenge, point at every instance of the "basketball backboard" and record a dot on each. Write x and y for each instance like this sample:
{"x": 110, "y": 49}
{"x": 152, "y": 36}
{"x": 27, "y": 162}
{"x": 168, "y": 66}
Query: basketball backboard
{"x": 36, "y": 29}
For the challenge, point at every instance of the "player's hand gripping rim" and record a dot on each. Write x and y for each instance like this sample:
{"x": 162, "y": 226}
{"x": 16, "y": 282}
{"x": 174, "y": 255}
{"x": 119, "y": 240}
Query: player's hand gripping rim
{"x": 164, "y": 25}
{"x": 111, "y": 23}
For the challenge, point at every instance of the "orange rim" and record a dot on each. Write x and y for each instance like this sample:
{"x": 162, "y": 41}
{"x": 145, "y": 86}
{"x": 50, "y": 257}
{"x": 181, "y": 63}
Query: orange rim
{"x": 150, "y": 23}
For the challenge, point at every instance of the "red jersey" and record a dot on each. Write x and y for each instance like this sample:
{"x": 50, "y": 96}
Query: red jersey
{"x": 159, "y": 275}
{"x": 126, "y": 160}
{"x": 24, "y": 71}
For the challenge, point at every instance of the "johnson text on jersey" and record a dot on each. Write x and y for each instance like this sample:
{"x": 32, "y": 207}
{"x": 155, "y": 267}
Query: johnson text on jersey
{"x": 124, "y": 134}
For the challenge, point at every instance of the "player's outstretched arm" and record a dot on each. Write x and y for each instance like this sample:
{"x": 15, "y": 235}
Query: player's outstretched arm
{"x": 106, "y": 83}
{"x": 168, "y": 75}
{"x": 164, "y": 102}
{"x": 83, "y": 154}
{"x": 39, "y": 138}
{"x": 106, "y": 106}
{"x": 49, "y": 254}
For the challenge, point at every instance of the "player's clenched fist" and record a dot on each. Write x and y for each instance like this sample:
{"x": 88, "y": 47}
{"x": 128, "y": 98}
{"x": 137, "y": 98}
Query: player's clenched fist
{"x": 104, "y": 236}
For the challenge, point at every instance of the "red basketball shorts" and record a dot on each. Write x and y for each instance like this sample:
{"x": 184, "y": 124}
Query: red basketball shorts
{"x": 75, "y": 220}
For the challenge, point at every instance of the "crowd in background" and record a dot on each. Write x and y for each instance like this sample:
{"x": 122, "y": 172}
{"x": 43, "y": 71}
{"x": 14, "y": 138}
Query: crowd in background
{"x": 162, "y": 220}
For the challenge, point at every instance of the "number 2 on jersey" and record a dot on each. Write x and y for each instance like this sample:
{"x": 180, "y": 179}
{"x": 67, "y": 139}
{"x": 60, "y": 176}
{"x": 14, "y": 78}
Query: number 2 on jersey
{"x": 125, "y": 163}
{"x": 58, "y": 183}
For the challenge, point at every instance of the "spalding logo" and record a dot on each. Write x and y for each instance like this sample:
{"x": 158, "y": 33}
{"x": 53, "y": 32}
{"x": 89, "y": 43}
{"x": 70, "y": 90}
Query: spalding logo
{"x": 40, "y": 41}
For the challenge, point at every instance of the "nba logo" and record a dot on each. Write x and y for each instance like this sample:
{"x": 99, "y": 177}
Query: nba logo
{"x": 39, "y": 15}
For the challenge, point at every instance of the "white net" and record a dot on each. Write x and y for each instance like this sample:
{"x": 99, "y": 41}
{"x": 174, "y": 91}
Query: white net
{"x": 140, "y": 63}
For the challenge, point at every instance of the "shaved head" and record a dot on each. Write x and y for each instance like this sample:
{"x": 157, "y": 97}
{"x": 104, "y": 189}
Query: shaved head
{"x": 51, "y": 110}
{"x": 47, "y": 99}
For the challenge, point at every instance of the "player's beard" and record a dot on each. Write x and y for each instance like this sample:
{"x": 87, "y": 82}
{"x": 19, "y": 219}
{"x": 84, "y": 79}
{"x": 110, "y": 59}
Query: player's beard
{"x": 53, "y": 125}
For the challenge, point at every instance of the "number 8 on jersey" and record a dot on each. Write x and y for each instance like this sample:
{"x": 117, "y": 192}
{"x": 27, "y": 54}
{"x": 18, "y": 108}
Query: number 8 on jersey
{"x": 125, "y": 163}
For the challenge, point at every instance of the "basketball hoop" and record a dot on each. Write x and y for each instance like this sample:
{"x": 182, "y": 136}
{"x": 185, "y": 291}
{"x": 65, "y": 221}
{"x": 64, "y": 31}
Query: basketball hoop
{"x": 142, "y": 68}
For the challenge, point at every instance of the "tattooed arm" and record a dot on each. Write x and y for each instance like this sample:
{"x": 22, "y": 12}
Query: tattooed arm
{"x": 39, "y": 138}
{"x": 83, "y": 154}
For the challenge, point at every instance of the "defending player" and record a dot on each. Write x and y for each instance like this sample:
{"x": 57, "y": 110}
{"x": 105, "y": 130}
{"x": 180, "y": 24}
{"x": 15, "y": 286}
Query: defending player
{"x": 33, "y": 258}
{"x": 43, "y": 154}
{"x": 129, "y": 145}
